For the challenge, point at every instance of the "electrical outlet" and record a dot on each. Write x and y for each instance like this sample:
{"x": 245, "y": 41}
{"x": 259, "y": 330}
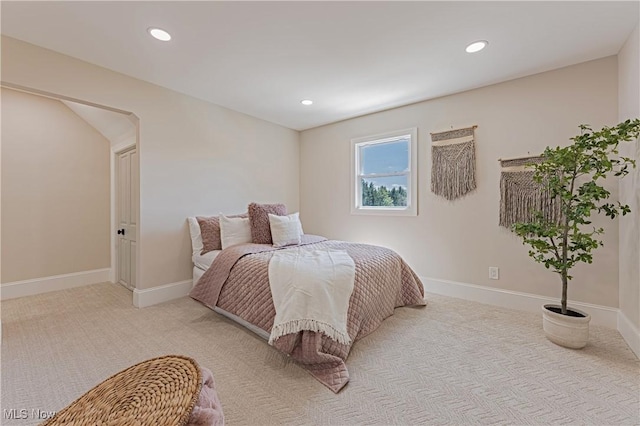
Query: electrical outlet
{"x": 494, "y": 272}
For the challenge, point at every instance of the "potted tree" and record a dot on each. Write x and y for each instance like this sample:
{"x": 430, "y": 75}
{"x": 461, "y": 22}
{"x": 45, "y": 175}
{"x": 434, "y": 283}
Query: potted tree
{"x": 572, "y": 175}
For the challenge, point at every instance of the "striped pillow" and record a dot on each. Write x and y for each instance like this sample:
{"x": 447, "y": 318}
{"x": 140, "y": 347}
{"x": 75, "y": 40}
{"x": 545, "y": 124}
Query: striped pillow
{"x": 285, "y": 230}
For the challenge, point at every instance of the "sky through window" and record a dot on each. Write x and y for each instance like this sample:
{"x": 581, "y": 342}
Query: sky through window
{"x": 388, "y": 157}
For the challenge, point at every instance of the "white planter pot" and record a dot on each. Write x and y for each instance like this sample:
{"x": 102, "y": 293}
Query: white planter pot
{"x": 564, "y": 330}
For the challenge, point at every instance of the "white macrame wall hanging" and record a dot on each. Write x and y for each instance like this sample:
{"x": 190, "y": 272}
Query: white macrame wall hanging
{"x": 521, "y": 197}
{"x": 453, "y": 169}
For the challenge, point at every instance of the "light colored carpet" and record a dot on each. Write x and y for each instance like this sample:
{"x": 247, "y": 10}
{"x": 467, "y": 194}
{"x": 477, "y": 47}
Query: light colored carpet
{"x": 453, "y": 362}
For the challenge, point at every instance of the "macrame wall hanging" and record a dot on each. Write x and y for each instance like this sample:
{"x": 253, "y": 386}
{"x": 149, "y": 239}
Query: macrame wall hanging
{"x": 521, "y": 197}
{"x": 453, "y": 170}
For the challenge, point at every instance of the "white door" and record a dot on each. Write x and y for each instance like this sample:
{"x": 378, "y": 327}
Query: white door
{"x": 127, "y": 216}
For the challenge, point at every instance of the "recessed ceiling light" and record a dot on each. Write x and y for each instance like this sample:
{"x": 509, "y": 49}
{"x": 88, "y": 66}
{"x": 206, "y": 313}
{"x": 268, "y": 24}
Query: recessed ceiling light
{"x": 476, "y": 46}
{"x": 159, "y": 34}
{"x": 306, "y": 102}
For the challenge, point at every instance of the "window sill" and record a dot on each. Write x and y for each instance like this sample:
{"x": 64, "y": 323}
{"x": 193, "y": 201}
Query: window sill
{"x": 376, "y": 211}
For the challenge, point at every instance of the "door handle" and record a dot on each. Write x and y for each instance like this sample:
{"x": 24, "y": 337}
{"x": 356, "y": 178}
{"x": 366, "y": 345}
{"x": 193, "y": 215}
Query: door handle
{"x": 121, "y": 231}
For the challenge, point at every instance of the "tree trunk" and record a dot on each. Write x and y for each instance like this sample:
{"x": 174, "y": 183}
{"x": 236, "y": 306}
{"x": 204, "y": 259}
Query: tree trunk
{"x": 564, "y": 293}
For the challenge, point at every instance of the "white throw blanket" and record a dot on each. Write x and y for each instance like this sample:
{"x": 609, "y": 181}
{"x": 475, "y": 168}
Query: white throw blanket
{"x": 311, "y": 289}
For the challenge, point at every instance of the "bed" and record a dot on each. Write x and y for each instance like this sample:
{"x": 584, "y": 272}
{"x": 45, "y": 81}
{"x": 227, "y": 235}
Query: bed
{"x": 235, "y": 283}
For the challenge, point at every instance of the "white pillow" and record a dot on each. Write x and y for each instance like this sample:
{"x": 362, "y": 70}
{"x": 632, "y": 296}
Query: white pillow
{"x": 196, "y": 236}
{"x": 285, "y": 230}
{"x": 299, "y": 223}
{"x": 234, "y": 230}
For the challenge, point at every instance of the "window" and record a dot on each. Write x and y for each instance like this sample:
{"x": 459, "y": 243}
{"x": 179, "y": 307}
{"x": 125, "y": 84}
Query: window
{"x": 384, "y": 174}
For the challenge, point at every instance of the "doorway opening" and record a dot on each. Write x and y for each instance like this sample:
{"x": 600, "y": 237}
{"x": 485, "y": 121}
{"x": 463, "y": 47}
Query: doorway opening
{"x": 116, "y": 259}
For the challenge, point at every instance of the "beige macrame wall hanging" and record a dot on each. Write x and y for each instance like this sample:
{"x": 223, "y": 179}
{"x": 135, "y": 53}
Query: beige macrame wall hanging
{"x": 453, "y": 169}
{"x": 520, "y": 196}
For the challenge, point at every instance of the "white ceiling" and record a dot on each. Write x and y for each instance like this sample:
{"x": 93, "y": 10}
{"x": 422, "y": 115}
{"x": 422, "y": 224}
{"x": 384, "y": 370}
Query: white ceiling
{"x": 350, "y": 58}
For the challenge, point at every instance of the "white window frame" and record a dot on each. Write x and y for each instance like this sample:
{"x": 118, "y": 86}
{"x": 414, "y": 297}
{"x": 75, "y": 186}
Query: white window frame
{"x": 411, "y": 208}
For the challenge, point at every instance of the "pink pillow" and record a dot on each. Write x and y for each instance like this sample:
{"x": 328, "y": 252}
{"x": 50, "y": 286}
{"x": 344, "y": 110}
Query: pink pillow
{"x": 210, "y": 230}
{"x": 259, "y": 221}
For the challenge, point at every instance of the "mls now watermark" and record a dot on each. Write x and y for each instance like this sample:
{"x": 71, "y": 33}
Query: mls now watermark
{"x": 25, "y": 414}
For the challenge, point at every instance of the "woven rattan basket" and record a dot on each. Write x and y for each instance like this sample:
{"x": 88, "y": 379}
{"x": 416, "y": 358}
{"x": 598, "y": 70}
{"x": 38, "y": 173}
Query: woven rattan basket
{"x": 160, "y": 391}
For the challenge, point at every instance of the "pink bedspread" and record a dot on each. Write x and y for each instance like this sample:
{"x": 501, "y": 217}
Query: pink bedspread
{"x": 238, "y": 282}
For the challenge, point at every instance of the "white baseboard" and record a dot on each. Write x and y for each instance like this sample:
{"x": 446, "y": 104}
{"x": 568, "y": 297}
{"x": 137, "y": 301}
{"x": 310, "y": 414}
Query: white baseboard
{"x": 600, "y": 315}
{"x": 160, "y": 294}
{"x": 57, "y": 282}
{"x": 629, "y": 332}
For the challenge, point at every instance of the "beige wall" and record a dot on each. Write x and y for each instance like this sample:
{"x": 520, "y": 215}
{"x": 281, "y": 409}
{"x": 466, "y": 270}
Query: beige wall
{"x": 629, "y": 107}
{"x": 55, "y": 190}
{"x": 458, "y": 241}
{"x": 195, "y": 157}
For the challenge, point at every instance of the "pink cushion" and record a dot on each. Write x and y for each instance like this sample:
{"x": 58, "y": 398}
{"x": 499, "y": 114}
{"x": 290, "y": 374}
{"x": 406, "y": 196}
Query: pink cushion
{"x": 210, "y": 230}
{"x": 208, "y": 409}
{"x": 259, "y": 221}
